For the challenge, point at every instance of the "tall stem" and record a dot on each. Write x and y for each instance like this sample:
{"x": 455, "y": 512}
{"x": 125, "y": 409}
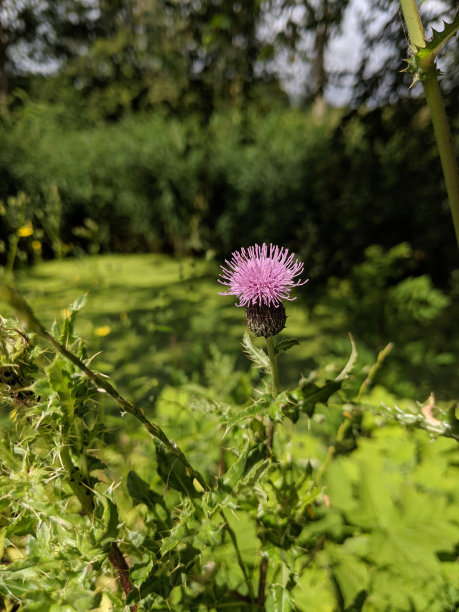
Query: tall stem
{"x": 274, "y": 389}
{"x": 445, "y": 146}
{"x": 274, "y": 371}
{"x": 437, "y": 111}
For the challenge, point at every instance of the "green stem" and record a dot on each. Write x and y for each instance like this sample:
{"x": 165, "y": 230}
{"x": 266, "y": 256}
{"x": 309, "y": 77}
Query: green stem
{"x": 413, "y": 22}
{"x": 274, "y": 371}
{"x": 437, "y": 111}
{"x": 274, "y": 389}
{"x": 445, "y": 146}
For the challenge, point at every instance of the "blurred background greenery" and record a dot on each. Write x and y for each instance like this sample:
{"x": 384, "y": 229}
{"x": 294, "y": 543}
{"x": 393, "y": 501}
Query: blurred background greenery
{"x": 171, "y": 127}
{"x": 144, "y": 140}
{"x": 184, "y": 130}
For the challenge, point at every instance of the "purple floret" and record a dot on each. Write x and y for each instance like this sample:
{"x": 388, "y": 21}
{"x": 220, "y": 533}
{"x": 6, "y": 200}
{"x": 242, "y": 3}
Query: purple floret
{"x": 257, "y": 277}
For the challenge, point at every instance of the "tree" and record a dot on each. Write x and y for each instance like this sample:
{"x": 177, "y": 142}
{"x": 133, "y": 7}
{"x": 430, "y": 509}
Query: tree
{"x": 40, "y": 34}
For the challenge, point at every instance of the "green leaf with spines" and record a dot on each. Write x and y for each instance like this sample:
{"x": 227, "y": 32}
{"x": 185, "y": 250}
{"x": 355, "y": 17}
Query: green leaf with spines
{"x": 173, "y": 471}
{"x": 236, "y": 470}
{"x": 258, "y": 408}
{"x": 257, "y": 355}
{"x": 67, "y": 335}
{"x": 284, "y": 344}
{"x": 306, "y": 397}
{"x": 438, "y": 39}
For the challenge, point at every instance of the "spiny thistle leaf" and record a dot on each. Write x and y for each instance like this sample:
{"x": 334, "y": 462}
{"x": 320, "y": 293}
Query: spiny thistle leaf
{"x": 258, "y": 356}
{"x": 173, "y": 472}
{"x": 236, "y": 470}
{"x": 259, "y": 408}
{"x": 284, "y": 344}
{"x": 438, "y": 39}
{"x": 307, "y": 396}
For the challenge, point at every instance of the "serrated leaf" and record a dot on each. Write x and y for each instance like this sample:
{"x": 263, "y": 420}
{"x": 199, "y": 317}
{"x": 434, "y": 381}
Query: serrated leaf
{"x": 438, "y": 39}
{"x": 256, "y": 472}
{"x": 279, "y": 600}
{"x": 236, "y": 470}
{"x": 159, "y": 581}
{"x": 306, "y": 397}
{"x": 110, "y": 518}
{"x": 257, "y": 355}
{"x": 79, "y": 303}
{"x": 284, "y": 344}
{"x": 258, "y": 408}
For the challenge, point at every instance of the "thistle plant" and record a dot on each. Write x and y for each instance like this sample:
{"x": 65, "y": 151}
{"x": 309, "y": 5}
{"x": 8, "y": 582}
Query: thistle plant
{"x": 261, "y": 280}
{"x": 220, "y": 520}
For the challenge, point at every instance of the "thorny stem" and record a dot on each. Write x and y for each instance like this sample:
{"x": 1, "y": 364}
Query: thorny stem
{"x": 23, "y": 309}
{"x": 437, "y": 111}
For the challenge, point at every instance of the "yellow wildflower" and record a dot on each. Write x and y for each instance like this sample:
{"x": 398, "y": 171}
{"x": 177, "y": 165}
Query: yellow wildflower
{"x": 102, "y": 331}
{"x": 25, "y": 230}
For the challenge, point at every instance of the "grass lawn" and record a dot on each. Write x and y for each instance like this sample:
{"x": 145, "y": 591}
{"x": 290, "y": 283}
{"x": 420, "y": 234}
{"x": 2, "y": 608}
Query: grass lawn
{"x": 153, "y": 317}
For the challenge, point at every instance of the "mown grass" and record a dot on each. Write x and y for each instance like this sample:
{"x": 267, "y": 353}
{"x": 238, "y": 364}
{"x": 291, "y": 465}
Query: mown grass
{"x": 155, "y": 318}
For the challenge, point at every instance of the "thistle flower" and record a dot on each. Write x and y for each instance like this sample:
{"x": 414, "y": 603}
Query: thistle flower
{"x": 261, "y": 280}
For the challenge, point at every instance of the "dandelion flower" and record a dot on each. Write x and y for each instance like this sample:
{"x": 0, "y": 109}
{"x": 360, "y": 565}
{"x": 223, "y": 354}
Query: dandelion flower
{"x": 261, "y": 278}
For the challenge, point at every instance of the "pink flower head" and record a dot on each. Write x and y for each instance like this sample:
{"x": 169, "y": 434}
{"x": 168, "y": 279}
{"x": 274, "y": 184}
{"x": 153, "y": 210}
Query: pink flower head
{"x": 258, "y": 277}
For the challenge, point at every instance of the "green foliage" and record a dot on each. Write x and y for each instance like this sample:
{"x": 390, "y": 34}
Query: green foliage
{"x": 379, "y": 297}
{"x": 150, "y": 182}
{"x": 381, "y": 302}
{"x": 329, "y": 517}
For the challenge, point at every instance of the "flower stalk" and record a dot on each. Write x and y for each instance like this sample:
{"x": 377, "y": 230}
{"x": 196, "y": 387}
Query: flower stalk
{"x": 274, "y": 370}
{"x": 274, "y": 389}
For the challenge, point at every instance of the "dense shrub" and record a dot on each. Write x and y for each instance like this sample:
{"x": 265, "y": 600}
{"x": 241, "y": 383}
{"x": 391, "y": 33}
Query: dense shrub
{"x": 328, "y": 189}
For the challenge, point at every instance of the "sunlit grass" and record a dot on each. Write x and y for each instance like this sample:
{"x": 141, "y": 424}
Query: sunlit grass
{"x": 153, "y": 317}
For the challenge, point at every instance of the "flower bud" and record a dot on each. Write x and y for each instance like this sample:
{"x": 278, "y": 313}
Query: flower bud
{"x": 265, "y": 320}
